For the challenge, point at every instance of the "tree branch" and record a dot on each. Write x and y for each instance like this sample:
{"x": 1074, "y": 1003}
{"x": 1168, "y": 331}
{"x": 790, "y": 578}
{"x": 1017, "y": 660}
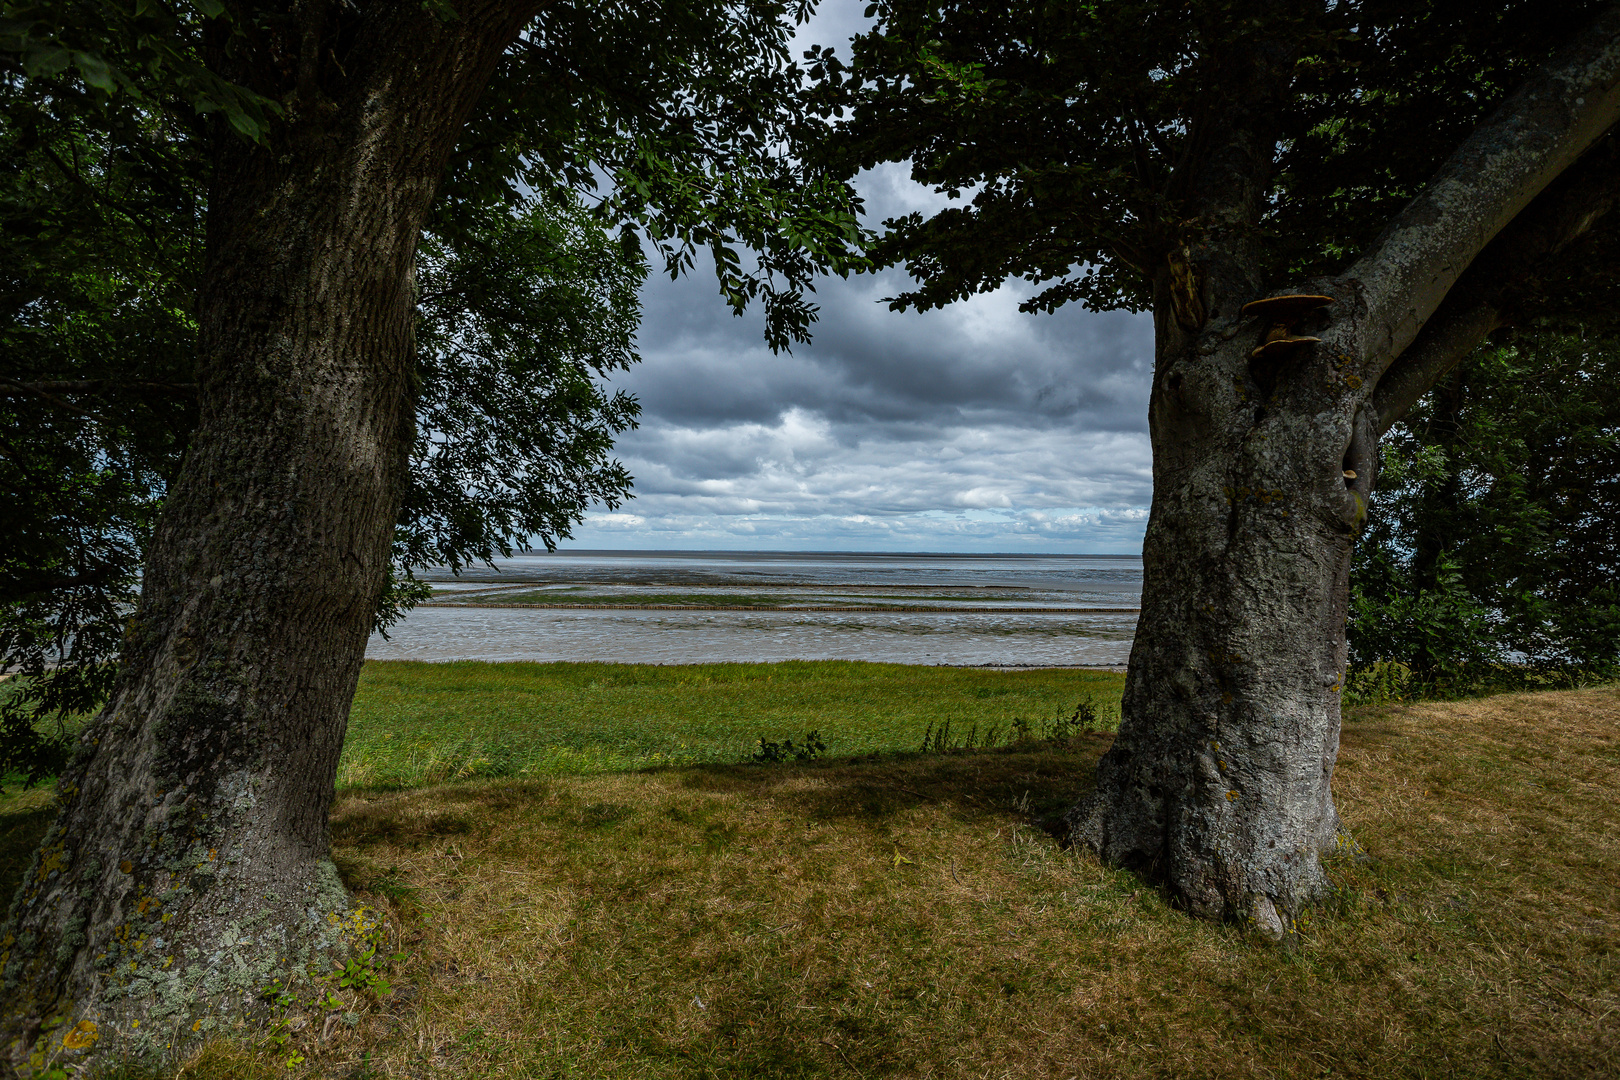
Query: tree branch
{"x": 47, "y": 387}
{"x": 1444, "y": 341}
{"x": 1537, "y": 133}
{"x": 1485, "y": 296}
{"x": 23, "y": 390}
{"x": 15, "y": 587}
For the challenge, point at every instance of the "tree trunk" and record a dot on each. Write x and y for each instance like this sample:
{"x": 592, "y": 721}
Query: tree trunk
{"x": 1219, "y": 783}
{"x": 1219, "y": 780}
{"x": 188, "y": 867}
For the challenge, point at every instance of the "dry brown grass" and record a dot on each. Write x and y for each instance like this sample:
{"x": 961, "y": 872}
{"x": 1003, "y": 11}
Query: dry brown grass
{"x": 902, "y": 917}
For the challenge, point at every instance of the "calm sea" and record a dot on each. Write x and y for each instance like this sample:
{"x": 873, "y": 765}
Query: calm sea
{"x": 680, "y": 607}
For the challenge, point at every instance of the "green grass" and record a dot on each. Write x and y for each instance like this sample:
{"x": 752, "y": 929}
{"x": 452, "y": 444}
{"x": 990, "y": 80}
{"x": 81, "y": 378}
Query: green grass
{"x": 903, "y": 915}
{"x": 417, "y": 723}
{"x": 796, "y": 600}
{"x": 905, "y": 918}
{"x": 714, "y": 600}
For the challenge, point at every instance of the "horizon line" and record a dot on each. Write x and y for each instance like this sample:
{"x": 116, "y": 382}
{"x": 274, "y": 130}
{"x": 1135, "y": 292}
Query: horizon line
{"x": 826, "y": 551}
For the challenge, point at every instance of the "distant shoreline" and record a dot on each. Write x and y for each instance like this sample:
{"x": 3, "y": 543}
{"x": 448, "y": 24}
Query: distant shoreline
{"x": 1118, "y": 669}
{"x": 686, "y": 606}
{"x": 910, "y": 608}
{"x": 698, "y": 553}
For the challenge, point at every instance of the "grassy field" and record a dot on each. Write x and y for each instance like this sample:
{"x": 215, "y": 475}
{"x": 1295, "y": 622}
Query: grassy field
{"x": 900, "y": 915}
{"x": 795, "y": 596}
{"x": 795, "y": 600}
{"x": 417, "y": 724}
{"x": 559, "y": 598}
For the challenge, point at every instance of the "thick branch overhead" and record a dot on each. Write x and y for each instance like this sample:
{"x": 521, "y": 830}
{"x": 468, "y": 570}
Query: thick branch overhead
{"x": 1484, "y": 298}
{"x": 1510, "y": 158}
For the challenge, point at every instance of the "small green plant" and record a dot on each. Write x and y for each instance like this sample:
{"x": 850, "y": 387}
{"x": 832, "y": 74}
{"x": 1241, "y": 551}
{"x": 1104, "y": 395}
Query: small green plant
{"x": 280, "y": 1032}
{"x": 1061, "y": 730}
{"x": 809, "y": 749}
{"x": 941, "y": 740}
{"x": 278, "y": 994}
{"x": 1378, "y": 682}
{"x": 1085, "y": 719}
{"x": 361, "y": 973}
{"x": 936, "y": 740}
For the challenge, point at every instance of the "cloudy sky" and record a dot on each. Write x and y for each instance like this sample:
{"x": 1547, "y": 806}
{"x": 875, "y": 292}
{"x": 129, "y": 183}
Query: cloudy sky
{"x": 975, "y": 428}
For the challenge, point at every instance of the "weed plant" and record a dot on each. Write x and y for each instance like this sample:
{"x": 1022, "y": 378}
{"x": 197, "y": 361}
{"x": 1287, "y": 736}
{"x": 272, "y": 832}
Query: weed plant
{"x": 1060, "y": 732}
{"x": 773, "y": 753}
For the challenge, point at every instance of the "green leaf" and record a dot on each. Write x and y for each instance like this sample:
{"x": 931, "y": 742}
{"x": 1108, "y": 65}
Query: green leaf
{"x": 95, "y": 71}
{"x": 47, "y": 61}
{"x": 244, "y": 123}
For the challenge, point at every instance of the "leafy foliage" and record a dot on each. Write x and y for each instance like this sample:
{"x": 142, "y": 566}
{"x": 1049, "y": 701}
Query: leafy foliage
{"x": 145, "y": 52}
{"x": 98, "y": 263}
{"x": 809, "y": 748}
{"x": 1496, "y": 535}
{"x": 1071, "y": 137}
{"x": 1443, "y": 633}
{"x": 521, "y": 315}
{"x": 682, "y": 119}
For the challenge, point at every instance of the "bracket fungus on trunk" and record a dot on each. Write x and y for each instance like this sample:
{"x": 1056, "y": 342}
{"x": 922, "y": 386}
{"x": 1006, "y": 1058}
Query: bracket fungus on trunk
{"x": 1282, "y": 314}
{"x": 1285, "y": 310}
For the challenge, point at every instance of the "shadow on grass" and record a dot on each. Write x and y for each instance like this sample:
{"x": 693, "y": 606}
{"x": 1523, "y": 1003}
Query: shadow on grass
{"x": 1030, "y": 783}
{"x": 897, "y": 916}
{"x": 1036, "y": 781}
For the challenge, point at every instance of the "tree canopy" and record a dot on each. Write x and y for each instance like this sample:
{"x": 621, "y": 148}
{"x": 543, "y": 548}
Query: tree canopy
{"x": 1070, "y": 134}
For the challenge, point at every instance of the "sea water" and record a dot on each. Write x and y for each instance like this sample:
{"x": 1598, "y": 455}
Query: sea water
{"x": 663, "y": 607}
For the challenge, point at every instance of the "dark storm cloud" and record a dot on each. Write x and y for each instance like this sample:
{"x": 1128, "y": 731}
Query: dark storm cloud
{"x": 977, "y": 361}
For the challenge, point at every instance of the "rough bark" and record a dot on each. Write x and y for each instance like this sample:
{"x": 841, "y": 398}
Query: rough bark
{"x": 188, "y": 865}
{"x": 1219, "y": 783}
